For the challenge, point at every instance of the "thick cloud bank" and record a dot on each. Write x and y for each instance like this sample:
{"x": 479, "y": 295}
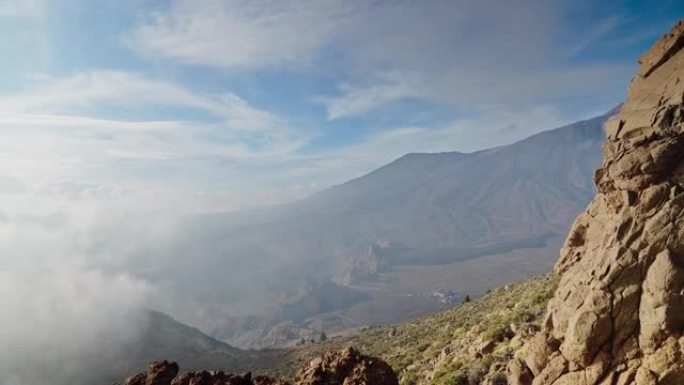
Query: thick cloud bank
{"x": 60, "y": 326}
{"x": 69, "y": 310}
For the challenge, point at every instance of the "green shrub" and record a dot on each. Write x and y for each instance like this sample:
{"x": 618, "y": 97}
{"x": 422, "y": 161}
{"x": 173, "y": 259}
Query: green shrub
{"x": 499, "y": 379}
{"x": 453, "y": 378}
{"x": 497, "y": 330}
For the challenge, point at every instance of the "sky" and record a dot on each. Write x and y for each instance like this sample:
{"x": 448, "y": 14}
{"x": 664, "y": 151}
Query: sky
{"x": 206, "y": 105}
{"x": 118, "y": 117}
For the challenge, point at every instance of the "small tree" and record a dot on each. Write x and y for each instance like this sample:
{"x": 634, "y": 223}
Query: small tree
{"x": 323, "y": 336}
{"x": 466, "y": 299}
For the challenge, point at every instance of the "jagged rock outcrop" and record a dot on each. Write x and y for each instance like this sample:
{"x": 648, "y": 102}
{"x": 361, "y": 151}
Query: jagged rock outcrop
{"x": 617, "y": 316}
{"x": 348, "y": 367}
{"x": 158, "y": 373}
{"x": 166, "y": 373}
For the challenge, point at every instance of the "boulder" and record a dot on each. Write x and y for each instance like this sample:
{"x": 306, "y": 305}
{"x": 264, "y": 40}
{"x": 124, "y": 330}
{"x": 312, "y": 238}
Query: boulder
{"x": 158, "y": 373}
{"x": 347, "y": 367}
{"x": 166, "y": 373}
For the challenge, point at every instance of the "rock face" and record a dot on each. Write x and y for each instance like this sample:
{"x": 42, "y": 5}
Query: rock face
{"x": 348, "y": 367}
{"x": 617, "y": 316}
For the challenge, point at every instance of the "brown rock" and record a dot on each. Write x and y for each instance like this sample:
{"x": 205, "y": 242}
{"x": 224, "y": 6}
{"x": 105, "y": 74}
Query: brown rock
{"x": 519, "y": 373}
{"x": 166, "y": 373}
{"x": 486, "y": 347}
{"x": 618, "y": 314}
{"x": 158, "y": 373}
{"x": 347, "y": 367}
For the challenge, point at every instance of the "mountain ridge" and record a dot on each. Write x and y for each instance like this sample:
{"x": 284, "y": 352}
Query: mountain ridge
{"x": 425, "y": 209}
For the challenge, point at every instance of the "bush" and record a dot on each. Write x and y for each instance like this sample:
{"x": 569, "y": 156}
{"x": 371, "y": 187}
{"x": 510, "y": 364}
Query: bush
{"x": 476, "y": 374}
{"x": 497, "y": 330}
{"x": 454, "y": 378}
{"x": 499, "y": 379}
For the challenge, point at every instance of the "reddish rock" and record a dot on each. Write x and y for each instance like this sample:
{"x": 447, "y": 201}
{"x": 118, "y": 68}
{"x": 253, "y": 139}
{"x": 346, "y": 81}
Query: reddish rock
{"x": 347, "y": 367}
{"x": 166, "y": 373}
{"x": 158, "y": 373}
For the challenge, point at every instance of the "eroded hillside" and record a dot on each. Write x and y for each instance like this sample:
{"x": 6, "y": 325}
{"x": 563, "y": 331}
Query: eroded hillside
{"x": 473, "y": 340}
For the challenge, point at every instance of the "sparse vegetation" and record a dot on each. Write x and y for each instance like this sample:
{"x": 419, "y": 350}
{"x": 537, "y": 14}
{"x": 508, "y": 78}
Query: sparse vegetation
{"x": 441, "y": 349}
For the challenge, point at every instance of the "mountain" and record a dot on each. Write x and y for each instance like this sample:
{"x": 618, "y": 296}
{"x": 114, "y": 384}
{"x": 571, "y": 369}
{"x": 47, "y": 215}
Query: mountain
{"x": 160, "y": 336}
{"x": 611, "y": 313}
{"x": 437, "y": 208}
{"x": 492, "y": 216}
{"x": 472, "y": 342}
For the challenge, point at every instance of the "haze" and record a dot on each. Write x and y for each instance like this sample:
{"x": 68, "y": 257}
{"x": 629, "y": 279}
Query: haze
{"x": 147, "y": 147}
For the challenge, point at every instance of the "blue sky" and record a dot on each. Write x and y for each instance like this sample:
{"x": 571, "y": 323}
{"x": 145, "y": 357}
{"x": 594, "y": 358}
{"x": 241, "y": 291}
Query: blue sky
{"x": 229, "y": 104}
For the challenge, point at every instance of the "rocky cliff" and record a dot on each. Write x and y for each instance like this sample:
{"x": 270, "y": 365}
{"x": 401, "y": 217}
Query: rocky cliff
{"x": 617, "y": 316}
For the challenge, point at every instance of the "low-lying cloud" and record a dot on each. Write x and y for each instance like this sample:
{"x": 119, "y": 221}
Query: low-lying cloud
{"x": 61, "y": 326}
{"x": 71, "y": 310}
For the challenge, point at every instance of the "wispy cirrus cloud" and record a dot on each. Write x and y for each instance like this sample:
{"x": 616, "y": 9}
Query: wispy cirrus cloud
{"x": 86, "y": 91}
{"x": 258, "y": 33}
{"x": 358, "y": 100}
{"x": 386, "y": 51}
{"x": 61, "y": 129}
{"x": 596, "y": 32}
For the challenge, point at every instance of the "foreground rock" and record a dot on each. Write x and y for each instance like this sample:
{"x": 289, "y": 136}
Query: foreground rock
{"x": 618, "y": 314}
{"x": 348, "y": 367}
{"x": 166, "y": 373}
{"x": 158, "y": 373}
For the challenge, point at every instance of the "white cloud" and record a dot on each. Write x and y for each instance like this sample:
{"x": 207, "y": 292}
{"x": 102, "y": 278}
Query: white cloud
{"x": 23, "y": 8}
{"x": 238, "y": 33}
{"x": 258, "y": 34}
{"x": 86, "y": 91}
{"x": 56, "y": 132}
{"x": 75, "y": 312}
{"x": 451, "y": 50}
{"x": 61, "y": 325}
{"x": 356, "y": 101}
